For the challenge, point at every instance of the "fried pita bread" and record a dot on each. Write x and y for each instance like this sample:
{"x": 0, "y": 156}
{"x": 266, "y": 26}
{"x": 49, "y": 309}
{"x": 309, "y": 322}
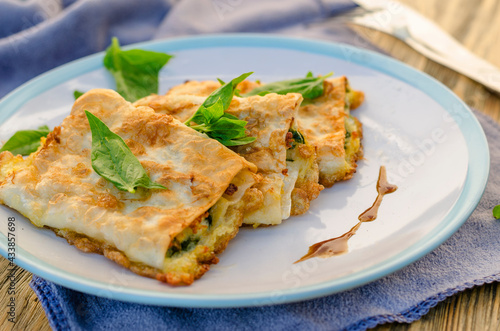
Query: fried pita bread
{"x": 288, "y": 167}
{"x": 171, "y": 235}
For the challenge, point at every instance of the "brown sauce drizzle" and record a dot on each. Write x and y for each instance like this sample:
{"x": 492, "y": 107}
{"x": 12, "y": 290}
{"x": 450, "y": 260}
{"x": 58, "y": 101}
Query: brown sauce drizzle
{"x": 338, "y": 245}
{"x": 383, "y": 188}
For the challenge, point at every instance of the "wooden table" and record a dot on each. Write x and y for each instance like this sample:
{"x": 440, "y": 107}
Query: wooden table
{"x": 475, "y": 23}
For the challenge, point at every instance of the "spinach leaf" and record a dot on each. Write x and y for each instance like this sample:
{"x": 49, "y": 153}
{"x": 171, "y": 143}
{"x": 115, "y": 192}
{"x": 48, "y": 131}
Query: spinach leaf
{"x": 77, "y": 94}
{"x": 297, "y": 136}
{"x": 310, "y": 87}
{"x": 25, "y": 142}
{"x": 211, "y": 119}
{"x": 135, "y": 71}
{"x": 113, "y": 160}
{"x": 496, "y": 212}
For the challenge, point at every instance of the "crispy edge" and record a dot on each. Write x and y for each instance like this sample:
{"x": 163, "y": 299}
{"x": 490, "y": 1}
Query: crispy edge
{"x": 358, "y": 155}
{"x": 89, "y": 245}
{"x": 307, "y": 188}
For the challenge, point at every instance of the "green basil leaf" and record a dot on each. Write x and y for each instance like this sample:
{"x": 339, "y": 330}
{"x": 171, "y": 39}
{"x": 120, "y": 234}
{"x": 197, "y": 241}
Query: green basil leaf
{"x": 239, "y": 141}
{"x": 231, "y": 123}
{"x": 211, "y": 119}
{"x": 310, "y": 87}
{"x": 227, "y": 129}
{"x": 78, "y": 94}
{"x": 213, "y": 113}
{"x": 225, "y": 92}
{"x": 135, "y": 71}
{"x": 496, "y": 212}
{"x": 25, "y": 142}
{"x": 113, "y": 160}
{"x": 227, "y": 115}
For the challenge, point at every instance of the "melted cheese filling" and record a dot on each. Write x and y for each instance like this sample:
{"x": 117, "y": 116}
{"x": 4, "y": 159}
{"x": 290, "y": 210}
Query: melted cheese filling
{"x": 293, "y": 167}
{"x": 196, "y": 244}
{"x": 270, "y": 213}
{"x": 297, "y": 167}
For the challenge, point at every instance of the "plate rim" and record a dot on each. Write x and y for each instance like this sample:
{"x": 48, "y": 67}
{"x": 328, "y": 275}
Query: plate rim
{"x": 473, "y": 189}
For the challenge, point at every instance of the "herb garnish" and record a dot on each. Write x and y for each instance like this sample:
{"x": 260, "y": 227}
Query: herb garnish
{"x": 211, "y": 119}
{"x": 25, "y": 142}
{"x": 135, "y": 71}
{"x": 496, "y": 212}
{"x": 113, "y": 160}
{"x": 77, "y": 94}
{"x": 310, "y": 87}
{"x": 297, "y": 136}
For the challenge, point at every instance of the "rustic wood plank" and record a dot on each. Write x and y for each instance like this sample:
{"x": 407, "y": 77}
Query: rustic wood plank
{"x": 474, "y": 309}
{"x": 29, "y": 314}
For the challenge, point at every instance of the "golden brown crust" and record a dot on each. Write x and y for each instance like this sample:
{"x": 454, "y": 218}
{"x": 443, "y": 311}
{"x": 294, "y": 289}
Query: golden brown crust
{"x": 306, "y": 187}
{"x": 175, "y": 102}
{"x": 301, "y": 201}
{"x": 247, "y": 85}
{"x": 355, "y": 151}
{"x": 253, "y": 199}
{"x": 322, "y": 121}
{"x": 53, "y": 187}
{"x": 268, "y": 119}
{"x": 89, "y": 245}
{"x": 357, "y": 99}
{"x": 268, "y": 127}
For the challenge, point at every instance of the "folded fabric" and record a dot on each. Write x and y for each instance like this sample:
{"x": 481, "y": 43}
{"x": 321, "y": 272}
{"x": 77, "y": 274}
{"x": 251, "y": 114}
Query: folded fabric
{"x": 51, "y": 32}
{"x": 42, "y": 34}
{"x": 74, "y": 29}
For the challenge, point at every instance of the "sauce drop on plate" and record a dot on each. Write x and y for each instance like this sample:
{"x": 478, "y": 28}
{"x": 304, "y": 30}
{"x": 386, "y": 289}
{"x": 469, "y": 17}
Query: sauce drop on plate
{"x": 383, "y": 188}
{"x": 338, "y": 245}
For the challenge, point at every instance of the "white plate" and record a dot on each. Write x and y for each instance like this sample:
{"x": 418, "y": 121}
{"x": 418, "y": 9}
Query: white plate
{"x": 433, "y": 147}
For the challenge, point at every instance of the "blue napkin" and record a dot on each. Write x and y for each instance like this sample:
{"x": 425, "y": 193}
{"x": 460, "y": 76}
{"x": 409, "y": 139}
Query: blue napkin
{"x": 53, "y": 32}
{"x": 57, "y": 32}
{"x": 38, "y": 35}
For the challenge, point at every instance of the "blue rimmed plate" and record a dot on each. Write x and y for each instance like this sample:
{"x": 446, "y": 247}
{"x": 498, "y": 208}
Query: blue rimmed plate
{"x": 432, "y": 146}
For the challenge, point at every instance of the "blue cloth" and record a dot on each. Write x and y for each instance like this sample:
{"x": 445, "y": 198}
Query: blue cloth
{"x": 53, "y": 32}
{"x": 39, "y": 35}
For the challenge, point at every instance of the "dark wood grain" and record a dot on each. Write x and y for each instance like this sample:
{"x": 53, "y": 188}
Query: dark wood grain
{"x": 29, "y": 313}
{"x": 475, "y": 23}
